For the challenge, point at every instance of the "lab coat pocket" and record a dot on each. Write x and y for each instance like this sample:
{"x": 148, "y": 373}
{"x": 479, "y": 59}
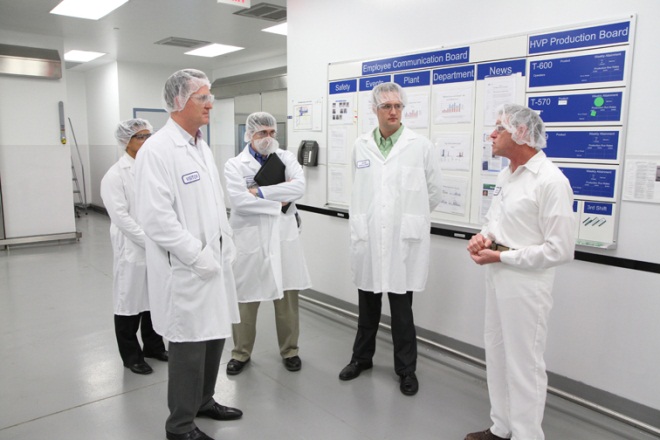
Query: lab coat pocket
{"x": 206, "y": 265}
{"x": 412, "y": 178}
{"x": 247, "y": 240}
{"x": 413, "y": 226}
{"x": 288, "y": 228}
{"x": 134, "y": 252}
{"x": 359, "y": 229}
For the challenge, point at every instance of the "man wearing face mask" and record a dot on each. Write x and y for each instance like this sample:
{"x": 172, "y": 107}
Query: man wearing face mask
{"x": 270, "y": 265}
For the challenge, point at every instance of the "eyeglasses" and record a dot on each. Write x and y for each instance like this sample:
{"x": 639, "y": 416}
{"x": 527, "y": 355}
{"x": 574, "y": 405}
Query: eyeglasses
{"x": 142, "y": 137}
{"x": 203, "y": 99}
{"x": 264, "y": 133}
{"x": 500, "y": 128}
{"x": 388, "y": 107}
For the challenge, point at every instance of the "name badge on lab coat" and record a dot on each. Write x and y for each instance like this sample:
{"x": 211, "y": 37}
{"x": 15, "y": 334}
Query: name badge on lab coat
{"x": 497, "y": 190}
{"x": 190, "y": 178}
{"x": 363, "y": 163}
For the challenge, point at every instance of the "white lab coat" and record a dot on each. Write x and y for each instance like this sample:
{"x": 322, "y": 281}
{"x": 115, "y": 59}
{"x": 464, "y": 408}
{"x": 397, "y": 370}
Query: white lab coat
{"x": 390, "y": 213}
{"x": 270, "y": 257}
{"x": 180, "y": 205}
{"x": 129, "y": 288}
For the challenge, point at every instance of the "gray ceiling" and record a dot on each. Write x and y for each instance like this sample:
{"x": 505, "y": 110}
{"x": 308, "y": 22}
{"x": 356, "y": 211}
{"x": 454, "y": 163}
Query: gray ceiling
{"x": 128, "y": 33}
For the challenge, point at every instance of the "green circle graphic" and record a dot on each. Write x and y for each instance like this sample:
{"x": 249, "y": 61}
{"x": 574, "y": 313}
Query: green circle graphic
{"x": 598, "y": 102}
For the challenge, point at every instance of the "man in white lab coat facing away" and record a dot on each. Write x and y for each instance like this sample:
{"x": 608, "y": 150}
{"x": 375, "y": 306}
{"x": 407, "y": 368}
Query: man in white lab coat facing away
{"x": 270, "y": 264}
{"x": 180, "y": 205}
{"x": 129, "y": 288}
{"x": 396, "y": 186}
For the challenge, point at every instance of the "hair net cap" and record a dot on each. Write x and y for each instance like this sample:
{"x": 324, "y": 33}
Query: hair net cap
{"x": 180, "y": 85}
{"x": 382, "y": 93}
{"x": 524, "y": 124}
{"x": 127, "y": 129}
{"x": 257, "y": 122}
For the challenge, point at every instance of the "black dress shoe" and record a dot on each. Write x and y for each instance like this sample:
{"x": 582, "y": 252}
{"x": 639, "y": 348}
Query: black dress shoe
{"x": 220, "y": 412}
{"x": 195, "y": 434}
{"x": 235, "y": 366}
{"x": 293, "y": 363}
{"x": 408, "y": 384}
{"x": 162, "y": 356}
{"x": 140, "y": 368}
{"x": 353, "y": 370}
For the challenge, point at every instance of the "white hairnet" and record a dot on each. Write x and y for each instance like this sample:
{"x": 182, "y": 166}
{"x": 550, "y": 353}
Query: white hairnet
{"x": 257, "y": 122}
{"x": 378, "y": 92}
{"x": 180, "y": 85}
{"x": 524, "y": 124}
{"x": 127, "y": 129}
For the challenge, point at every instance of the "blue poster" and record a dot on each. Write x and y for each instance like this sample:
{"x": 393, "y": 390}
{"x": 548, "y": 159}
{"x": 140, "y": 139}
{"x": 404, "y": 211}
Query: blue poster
{"x": 348, "y": 86}
{"x": 591, "y": 182}
{"x": 583, "y": 69}
{"x": 588, "y": 144}
{"x": 578, "y": 107}
{"x": 370, "y": 82}
{"x": 602, "y": 35}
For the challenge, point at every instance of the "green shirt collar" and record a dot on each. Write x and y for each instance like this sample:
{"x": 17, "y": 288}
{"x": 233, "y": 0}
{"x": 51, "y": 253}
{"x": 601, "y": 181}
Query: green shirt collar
{"x": 385, "y": 145}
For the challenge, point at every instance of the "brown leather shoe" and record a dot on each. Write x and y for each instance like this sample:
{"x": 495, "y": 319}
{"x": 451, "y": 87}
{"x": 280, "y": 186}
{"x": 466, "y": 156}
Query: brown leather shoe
{"x": 484, "y": 435}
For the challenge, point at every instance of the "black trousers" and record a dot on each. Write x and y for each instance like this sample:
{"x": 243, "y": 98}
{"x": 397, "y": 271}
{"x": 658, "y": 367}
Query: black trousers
{"x": 404, "y": 335}
{"x": 192, "y": 373}
{"x": 126, "y": 328}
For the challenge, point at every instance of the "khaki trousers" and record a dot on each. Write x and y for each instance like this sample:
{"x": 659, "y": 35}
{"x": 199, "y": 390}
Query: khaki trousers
{"x": 287, "y": 325}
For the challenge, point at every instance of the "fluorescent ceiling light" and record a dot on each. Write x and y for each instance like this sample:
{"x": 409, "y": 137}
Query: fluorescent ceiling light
{"x": 280, "y": 29}
{"x": 214, "y": 50}
{"x": 90, "y": 9}
{"x": 81, "y": 56}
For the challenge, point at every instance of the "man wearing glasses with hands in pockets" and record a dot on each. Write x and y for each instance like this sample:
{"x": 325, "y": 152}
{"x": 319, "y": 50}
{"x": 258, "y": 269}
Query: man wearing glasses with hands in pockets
{"x": 396, "y": 186}
{"x": 180, "y": 205}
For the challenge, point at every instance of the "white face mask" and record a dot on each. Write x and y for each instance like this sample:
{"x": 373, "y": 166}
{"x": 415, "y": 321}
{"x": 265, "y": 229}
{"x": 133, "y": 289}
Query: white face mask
{"x": 265, "y": 146}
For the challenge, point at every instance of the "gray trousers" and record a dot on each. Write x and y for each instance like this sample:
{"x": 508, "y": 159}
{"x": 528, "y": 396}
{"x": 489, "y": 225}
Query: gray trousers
{"x": 287, "y": 324}
{"x": 192, "y": 373}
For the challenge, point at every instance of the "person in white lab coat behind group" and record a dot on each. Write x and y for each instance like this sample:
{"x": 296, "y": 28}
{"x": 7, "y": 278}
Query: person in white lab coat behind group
{"x": 129, "y": 290}
{"x": 180, "y": 205}
{"x": 396, "y": 186}
{"x": 270, "y": 265}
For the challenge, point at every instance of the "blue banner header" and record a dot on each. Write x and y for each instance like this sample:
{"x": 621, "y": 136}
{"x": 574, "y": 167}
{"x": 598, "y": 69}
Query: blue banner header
{"x": 369, "y": 83}
{"x": 453, "y": 75}
{"x": 414, "y": 79}
{"x": 347, "y": 86}
{"x": 419, "y": 61}
{"x": 504, "y": 68}
{"x": 586, "y": 37}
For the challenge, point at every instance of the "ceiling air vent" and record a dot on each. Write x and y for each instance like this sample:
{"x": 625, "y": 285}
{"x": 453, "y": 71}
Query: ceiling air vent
{"x": 264, "y": 11}
{"x": 181, "y": 42}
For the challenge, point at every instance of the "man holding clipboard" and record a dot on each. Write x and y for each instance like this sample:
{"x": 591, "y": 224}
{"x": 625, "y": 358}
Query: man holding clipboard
{"x": 263, "y": 182}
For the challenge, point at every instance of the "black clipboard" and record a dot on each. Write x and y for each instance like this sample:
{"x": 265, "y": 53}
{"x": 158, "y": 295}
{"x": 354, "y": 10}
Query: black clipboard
{"x": 272, "y": 173}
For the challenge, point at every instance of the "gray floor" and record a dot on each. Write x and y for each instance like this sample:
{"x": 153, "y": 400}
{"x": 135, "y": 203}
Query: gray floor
{"x": 61, "y": 376}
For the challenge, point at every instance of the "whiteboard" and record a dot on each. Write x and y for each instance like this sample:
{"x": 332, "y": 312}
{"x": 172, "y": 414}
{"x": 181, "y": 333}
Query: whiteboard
{"x": 577, "y": 78}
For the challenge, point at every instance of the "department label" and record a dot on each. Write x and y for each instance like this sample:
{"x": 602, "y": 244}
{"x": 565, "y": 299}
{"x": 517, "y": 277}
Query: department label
{"x": 414, "y": 79}
{"x": 591, "y": 182}
{"x": 503, "y": 68}
{"x": 453, "y": 75}
{"x": 585, "y": 37}
{"x": 347, "y": 86}
{"x": 369, "y": 83}
{"x": 584, "y": 69}
{"x": 578, "y": 107}
{"x": 592, "y": 145}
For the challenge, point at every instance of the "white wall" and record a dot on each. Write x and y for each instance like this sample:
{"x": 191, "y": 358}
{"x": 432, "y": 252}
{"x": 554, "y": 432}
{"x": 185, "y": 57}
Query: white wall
{"x": 604, "y": 326}
{"x": 35, "y": 167}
